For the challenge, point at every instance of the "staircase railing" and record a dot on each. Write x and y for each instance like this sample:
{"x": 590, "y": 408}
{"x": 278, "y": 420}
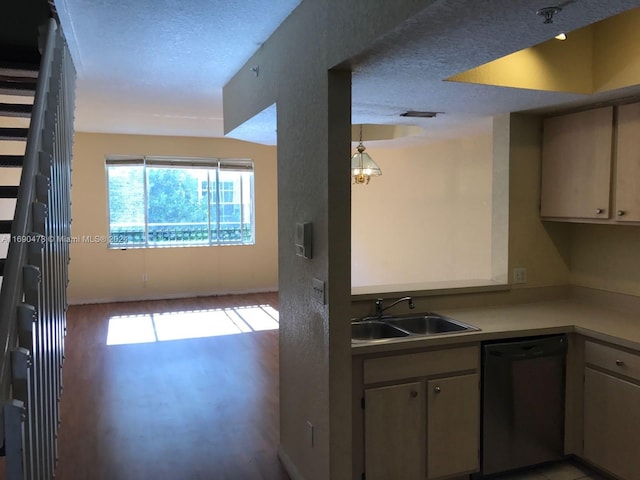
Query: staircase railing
{"x": 33, "y": 295}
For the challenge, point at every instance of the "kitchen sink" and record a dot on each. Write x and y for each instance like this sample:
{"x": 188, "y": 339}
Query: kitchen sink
{"x": 429, "y": 324}
{"x": 405, "y": 326}
{"x": 375, "y": 330}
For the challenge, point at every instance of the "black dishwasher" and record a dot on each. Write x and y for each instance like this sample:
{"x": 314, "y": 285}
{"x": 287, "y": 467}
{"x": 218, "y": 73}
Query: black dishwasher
{"x": 523, "y": 402}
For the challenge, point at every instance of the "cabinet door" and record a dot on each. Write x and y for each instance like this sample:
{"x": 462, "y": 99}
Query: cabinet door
{"x": 576, "y": 165}
{"x": 394, "y": 432}
{"x": 612, "y": 424}
{"x": 627, "y": 180}
{"x": 453, "y": 429}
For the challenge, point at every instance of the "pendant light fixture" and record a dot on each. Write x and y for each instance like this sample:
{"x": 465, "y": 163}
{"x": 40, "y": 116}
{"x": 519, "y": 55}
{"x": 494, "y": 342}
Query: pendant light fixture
{"x": 362, "y": 165}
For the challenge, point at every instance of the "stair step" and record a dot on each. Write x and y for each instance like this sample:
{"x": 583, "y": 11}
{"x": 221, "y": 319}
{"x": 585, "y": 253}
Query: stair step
{"x": 13, "y": 134}
{"x": 15, "y": 110}
{"x": 5, "y": 226}
{"x": 11, "y": 161}
{"x": 11, "y": 87}
{"x": 21, "y": 70}
{"x": 8, "y": 191}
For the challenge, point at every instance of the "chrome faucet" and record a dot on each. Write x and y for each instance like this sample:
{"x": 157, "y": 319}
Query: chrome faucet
{"x": 379, "y": 308}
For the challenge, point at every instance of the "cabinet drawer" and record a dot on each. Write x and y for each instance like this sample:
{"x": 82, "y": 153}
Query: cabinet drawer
{"x": 612, "y": 359}
{"x": 421, "y": 364}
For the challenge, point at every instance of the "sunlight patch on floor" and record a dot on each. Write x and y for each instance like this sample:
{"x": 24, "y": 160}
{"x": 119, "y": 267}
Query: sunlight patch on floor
{"x": 257, "y": 318}
{"x": 160, "y": 327}
{"x": 131, "y": 329}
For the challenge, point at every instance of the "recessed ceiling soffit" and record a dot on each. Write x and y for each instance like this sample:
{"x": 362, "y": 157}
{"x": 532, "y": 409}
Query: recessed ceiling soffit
{"x": 597, "y": 58}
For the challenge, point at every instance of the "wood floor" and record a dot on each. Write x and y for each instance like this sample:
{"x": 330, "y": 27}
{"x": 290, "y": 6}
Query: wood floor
{"x": 204, "y": 408}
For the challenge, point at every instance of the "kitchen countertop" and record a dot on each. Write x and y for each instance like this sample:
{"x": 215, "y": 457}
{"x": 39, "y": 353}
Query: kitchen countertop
{"x": 508, "y": 321}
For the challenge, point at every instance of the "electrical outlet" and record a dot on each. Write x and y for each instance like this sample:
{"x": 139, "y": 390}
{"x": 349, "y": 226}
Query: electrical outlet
{"x": 317, "y": 287}
{"x": 520, "y": 275}
{"x": 310, "y": 428}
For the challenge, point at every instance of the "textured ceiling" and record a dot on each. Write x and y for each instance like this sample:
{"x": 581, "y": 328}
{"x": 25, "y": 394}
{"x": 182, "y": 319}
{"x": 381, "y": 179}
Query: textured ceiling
{"x": 158, "y": 66}
{"x": 407, "y": 69}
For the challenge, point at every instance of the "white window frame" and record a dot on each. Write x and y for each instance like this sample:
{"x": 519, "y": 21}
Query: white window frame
{"x": 120, "y": 240}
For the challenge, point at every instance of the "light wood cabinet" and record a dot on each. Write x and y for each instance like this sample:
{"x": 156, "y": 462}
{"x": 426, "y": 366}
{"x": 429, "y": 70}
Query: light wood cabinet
{"x": 591, "y": 166}
{"x": 420, "y": 414}
{"x": 627, "y": 167}
{"x": 394, "y": 431}
{"x": 576, "y": 165}
{"x": 611, "y": 412}
{"x": 453, "y": 407}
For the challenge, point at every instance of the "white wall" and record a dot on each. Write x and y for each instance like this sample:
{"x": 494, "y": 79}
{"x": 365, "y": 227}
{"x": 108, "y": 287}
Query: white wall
{"x": 99, "y": 274}
{"x": 606, "y": 257}
{"x": 427, "y": 218}
{"x": 540, "y": 247}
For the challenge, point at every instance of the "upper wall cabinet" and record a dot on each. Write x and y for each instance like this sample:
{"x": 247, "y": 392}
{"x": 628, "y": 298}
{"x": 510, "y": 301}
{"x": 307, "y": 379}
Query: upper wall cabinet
{"x": 627, "y": 165}
{"x": 576, "y": 166}
{"x": 591, "y": 166}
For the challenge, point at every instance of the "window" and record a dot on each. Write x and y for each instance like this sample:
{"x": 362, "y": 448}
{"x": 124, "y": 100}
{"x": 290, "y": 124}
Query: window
{"x": 160, "y": 202}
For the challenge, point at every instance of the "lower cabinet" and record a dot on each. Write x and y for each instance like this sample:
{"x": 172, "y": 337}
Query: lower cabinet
{"x": 394, "y": 442}
{"x": 453, "y": 425}
{"x": 421, "y": 415}
{"x": 612, "y": 410}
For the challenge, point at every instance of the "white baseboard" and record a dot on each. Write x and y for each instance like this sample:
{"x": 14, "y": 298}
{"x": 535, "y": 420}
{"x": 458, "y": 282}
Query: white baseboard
{"x": 288, "y": 465}
{"x": 72, "y": 301}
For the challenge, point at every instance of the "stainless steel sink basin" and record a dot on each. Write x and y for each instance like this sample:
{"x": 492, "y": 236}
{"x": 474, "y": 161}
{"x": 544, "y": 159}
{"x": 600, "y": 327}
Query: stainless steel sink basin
{"x": 405, "y": 326}
{"x": 375, "y": 330}
{"x": 429, "y": 324}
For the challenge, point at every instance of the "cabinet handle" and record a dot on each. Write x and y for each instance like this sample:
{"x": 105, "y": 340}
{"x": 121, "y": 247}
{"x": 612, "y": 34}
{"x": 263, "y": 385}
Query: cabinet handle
{"x": 621, "y": 213}
{"x": 437, "y": 389}
{"x": 599, "y": 211}
{"x": 413, "y": 394}
{"x": 620, "y": 363}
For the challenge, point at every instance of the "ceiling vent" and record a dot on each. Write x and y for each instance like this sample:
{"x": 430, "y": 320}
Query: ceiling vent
{"x": 419, "y": 114}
